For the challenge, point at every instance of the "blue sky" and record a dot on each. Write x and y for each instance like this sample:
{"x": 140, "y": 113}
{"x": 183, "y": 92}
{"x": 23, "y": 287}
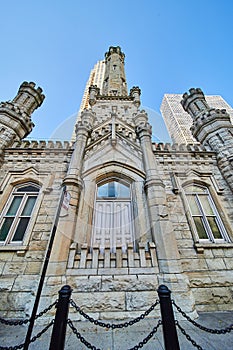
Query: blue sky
{"x": 170, "y": 46}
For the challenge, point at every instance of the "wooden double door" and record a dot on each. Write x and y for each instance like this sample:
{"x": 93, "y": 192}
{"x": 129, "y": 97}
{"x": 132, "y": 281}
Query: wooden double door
{"x": 113, "y": 224}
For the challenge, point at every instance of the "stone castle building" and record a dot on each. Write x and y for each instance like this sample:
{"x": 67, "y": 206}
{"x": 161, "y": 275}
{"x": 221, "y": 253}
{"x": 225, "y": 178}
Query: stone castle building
{"x": 127, "y": 214}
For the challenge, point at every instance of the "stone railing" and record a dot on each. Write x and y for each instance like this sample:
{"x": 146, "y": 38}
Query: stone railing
{"x": 105, "y": 263}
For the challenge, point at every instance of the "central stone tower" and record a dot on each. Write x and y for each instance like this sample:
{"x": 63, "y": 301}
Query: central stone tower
{"x": 114, "y": 79}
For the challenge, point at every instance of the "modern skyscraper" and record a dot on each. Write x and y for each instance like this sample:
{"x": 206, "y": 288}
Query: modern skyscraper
{"x": 96, "y": 77}
{"x": 179, "y": 122}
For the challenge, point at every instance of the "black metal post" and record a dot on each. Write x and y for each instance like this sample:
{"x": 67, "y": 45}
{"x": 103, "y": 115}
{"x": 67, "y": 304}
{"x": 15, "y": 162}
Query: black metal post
{"x": 169, "y": 328}
{"x": 60, "y": 322}
{"x": 43, "y": 273}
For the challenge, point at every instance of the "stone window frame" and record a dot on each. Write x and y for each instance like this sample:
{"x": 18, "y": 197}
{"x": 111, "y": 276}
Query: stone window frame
{"x": 215, "y": 206}
{"x": 26, "y": 194}
{"x": 179, "y": 181}
{"x": 14, "y": 178}
{"x": 87, "y": 199}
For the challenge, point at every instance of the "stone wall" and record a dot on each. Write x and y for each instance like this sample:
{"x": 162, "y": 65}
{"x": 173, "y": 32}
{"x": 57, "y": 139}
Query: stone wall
{"x": 116, "y": 285}
{"x": 208, "y": 266}
{"x": 20, "y": 265}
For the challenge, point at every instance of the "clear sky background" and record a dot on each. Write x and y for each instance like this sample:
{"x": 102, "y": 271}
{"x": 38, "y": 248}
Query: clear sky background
{"x": 170, "y": 46}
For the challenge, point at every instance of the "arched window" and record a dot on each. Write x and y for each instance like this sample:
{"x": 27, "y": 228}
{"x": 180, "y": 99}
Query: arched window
{"x": 17, "y": 213}
{"x": 206, "y": 218}
{"x": 113, "y": 219}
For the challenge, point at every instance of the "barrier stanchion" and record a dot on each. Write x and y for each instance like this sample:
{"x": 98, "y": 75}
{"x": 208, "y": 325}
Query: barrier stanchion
{"x": 60, "y": 322}
{"x": 168, "y": 322}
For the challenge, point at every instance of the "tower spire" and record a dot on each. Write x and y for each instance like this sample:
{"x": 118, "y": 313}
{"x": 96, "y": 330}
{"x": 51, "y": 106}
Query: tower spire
{"x": 114, "y": 79}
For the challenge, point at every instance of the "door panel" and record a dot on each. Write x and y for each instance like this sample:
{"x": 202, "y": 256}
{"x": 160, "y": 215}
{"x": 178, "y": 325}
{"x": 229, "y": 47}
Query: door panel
{"x": 112, "y": 224}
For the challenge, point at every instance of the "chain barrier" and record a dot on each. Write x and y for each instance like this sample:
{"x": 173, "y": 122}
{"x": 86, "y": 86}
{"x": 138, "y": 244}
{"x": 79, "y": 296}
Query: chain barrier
{"x": 188, "y": 336}
{"x": 43, "y": 312}
{"x": 149, "y": 336}
{"x": 33, "y": 339}
{"x": 93, "y": 347}
{"x": 14, "y": 323}
{"x": 203, "y": 328}
{"x": 21, "y": 322}
{"x": 112, "y": 325}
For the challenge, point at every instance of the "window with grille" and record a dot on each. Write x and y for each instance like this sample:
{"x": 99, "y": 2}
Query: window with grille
{"x": 207, "y": 221}
{"x": 17, "y": 213}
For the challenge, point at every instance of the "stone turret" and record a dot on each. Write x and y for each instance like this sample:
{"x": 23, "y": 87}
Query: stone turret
{"x": 15, "y": 115}
{"x": 114, "y": 78}
{"x": 93, "y": 93}
{"x": 211, "y": 127}
{"x": 135, "y": 93}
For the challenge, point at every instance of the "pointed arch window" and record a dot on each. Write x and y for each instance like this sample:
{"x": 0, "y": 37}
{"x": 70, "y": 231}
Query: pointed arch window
{"x": 207, "y": 221}
{"x": 17, "y": 213}
{"x": 113, "y": 217}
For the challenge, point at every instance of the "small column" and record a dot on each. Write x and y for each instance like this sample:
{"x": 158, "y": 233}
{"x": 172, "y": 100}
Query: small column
{"x": 161, "y": 227}
{"x": 73, "y": 183}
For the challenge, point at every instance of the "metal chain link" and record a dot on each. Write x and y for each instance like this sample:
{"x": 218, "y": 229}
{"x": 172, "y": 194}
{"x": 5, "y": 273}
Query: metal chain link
{"x": 46, "y": 309}
{"x": 112, "y": 325}
{"x": 38, "y": 335}
{"x": 21, "y": 322}
{"x": 14, "y": 323}
{"x": 90, "y": 346}
{"x": 150, "y": 335}
{"x": 203, "y": 328}
{"x": 188, "y": 336}
{"x": 80, "y": 337}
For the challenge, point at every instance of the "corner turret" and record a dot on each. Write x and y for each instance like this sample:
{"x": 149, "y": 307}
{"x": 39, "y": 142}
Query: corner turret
{"x": 207, "y": 121}
{"x": 15, "y": 115}
{"x": 211, "y": 127}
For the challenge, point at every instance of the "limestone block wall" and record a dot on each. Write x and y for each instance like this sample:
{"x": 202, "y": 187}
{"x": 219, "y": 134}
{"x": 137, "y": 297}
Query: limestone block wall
{"x": 109, "y": 285}
{"x": 208, "y": 266}
{"x": 20, "y": 265}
